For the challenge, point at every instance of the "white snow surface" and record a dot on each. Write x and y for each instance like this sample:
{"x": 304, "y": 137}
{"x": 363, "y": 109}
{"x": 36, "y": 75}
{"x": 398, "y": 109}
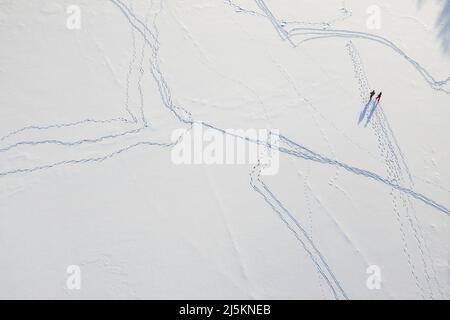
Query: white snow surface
{"x": 87, "y": 178}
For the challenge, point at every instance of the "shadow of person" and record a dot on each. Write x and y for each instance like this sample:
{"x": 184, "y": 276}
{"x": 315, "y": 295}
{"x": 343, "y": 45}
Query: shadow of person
{"x": 443, "y": 24}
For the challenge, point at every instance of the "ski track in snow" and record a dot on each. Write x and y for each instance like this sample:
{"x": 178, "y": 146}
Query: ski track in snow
{"x": 391, "y": 152}
{"x": 299, "y": 232}
{"x": 401, "y": 186}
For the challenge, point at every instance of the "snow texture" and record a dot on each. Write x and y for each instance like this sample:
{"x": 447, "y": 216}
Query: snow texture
{"x": 87, "y": 179}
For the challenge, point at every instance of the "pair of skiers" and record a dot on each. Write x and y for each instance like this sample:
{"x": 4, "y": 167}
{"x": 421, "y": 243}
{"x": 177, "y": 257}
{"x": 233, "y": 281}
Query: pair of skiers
{"x": 377, "y": 99}
{"x": 366, "y": 107}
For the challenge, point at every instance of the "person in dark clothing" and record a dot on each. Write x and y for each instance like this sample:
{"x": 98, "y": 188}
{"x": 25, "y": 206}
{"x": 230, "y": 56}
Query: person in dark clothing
{"x": 371, "y": 95}
{"x": 378, "y": 97}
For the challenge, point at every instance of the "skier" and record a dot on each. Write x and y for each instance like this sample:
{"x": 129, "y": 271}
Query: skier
{"x": 371, "y": 95}
{"x": 378, "y": 97}
{"x": 375, "y": 105}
